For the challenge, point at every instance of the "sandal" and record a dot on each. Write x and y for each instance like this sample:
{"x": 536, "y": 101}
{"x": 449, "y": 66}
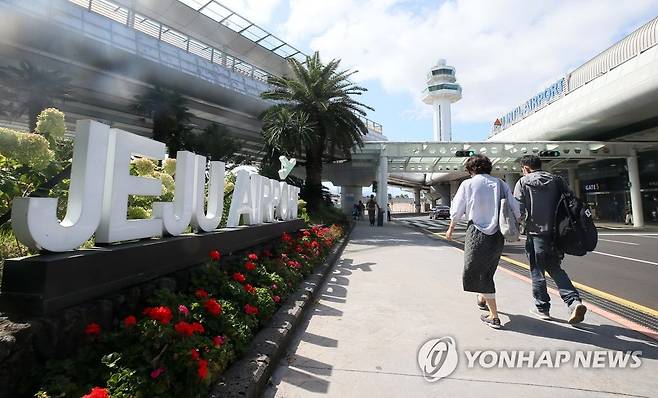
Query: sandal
{"x": 492, "y": 323}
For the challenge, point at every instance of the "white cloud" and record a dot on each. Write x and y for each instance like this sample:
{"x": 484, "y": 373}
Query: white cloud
{"x": 257, "y": 11}
{"x": 504, "y": 51}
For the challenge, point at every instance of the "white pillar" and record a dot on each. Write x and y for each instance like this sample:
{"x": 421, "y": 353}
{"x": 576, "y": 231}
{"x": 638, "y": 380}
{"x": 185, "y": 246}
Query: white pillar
{"x": 511, "y": 179}
{"x": 446, "y": 124}
{"x": 441, "y": 121}
{"x": 417, "y": 199}
{"x": 572, "y": 180}
{"x": 349, "y": 195}
{"x": 636, "y": 195}
{"x": 382, "y": 185}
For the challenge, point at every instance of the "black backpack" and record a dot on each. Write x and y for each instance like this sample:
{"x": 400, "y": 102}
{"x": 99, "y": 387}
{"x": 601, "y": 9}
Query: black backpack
{"x": 575, "y": 232}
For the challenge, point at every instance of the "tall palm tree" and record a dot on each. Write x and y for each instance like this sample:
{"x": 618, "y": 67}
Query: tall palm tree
{"x": 324, "y": 95}
{"x": 33, "y": 89}
{"x": 169, "y": 112}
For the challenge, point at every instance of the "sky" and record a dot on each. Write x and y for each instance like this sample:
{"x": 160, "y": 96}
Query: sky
{"x": 504, "y": 51}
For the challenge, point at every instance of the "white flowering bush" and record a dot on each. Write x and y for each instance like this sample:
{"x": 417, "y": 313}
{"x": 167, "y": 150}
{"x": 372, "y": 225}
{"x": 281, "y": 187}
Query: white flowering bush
{"x": 50, "y": 123}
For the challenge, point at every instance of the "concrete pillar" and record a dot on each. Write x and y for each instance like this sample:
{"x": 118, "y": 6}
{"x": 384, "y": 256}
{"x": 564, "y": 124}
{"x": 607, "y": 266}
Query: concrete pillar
{"x": 349, "y": 195}
{"x": 636, "y": 195}
{"x": 572, "y": 180}
{"x": 382, "y": 184}
{"x": 511, "y": 179}
{"x": 417, "y": 199}
{"x": 454, "y": 186}
{"x": 444, "y": 191}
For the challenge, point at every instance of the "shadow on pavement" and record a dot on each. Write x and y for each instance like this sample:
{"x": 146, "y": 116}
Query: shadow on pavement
{"x": 604, "y": 336}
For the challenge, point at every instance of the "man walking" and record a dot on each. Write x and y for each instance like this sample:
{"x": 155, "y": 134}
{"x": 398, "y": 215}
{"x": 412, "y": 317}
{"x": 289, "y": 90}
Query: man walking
{"x": 538, "y": 193}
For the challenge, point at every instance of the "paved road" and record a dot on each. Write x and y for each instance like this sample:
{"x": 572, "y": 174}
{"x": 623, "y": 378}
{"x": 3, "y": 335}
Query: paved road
{"x": 624, "y": 264}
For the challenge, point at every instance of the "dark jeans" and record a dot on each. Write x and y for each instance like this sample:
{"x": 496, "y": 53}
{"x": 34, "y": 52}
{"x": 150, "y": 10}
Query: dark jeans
{"x": 544, "y": 257}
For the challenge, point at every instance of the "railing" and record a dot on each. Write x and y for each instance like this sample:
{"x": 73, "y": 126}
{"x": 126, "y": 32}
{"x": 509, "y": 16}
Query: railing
{"x": 642, "y": 39}
{"x": 634, "y": 44}
{"x": 117, "y": 25}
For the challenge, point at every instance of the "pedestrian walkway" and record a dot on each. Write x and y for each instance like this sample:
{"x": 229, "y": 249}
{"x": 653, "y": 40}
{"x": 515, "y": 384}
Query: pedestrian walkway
{"x": 394, "y": 288}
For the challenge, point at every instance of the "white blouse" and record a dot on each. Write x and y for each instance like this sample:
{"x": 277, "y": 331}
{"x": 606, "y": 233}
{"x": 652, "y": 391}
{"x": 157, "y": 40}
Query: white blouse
{"x": 478, "y": 200}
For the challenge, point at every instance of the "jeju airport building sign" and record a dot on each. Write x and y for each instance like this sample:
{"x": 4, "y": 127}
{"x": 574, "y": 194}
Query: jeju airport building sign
{"x": 101, "y": 183}
{"x": 550, "y": 94}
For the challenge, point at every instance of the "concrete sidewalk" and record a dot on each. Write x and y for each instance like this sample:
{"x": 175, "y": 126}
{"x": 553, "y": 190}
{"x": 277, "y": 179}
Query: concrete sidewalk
{"x": 395, "y": 288}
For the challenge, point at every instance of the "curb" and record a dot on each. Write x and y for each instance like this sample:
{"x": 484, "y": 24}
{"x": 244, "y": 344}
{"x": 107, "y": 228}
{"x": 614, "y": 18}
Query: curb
{"x": 248, "y": 376}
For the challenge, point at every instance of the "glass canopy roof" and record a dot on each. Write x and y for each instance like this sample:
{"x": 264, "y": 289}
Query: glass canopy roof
{"x": 246, "y": 28}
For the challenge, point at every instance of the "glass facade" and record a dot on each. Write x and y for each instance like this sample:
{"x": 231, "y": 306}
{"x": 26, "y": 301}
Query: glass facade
{"x": 444, "y": 86}
{"x": 443, "y": 71}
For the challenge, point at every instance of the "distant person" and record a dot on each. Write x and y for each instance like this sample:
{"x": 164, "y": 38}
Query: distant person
{"x": 362, "y": 209}
{"x": 355, "y": 211}
{"x": 388, "y": 211}
{"x": 538, "y": 193}
{"x": 372, "y": 209}
{"x": 478, "y": 200}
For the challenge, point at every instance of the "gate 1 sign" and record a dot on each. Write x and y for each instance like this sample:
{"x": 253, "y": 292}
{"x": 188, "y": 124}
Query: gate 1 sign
{"x": 101, "y": 183}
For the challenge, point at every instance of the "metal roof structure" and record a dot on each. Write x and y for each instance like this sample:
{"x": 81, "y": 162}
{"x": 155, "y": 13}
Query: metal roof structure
{"x": 426, "y": 163}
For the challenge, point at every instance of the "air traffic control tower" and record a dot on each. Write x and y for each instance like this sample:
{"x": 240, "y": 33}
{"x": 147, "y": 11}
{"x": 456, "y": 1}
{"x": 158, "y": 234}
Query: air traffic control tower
{"x": 442, "y": 90}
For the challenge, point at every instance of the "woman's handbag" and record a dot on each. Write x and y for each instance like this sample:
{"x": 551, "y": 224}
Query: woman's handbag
{"x": 507, "y": 222}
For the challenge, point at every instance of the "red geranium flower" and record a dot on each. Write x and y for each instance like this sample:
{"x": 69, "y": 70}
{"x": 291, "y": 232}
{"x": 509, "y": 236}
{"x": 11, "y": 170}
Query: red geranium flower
{"x": 202, "y": 368}
{"x": 299, "y": 249}
{"x": 249, "y": 289}
{"x": 286, "y": 237}
{"x": 250, "y": 266}
{"x": 187, "y": 329}
{"x": 238, "y": 277}
{"x": 215, "y": 255}
{"x": 200, "y": 293}
{"x": 276, "y": 299}
{"x": 307, "y": 233}
{"x": 197, "y": 328}
{"x": 93, "y": 329}
{"x": 253, "y": 257}
{"x": 250, "y": 309}
{"x": 129, "y": 321}
{"x": 195, "y": 354}
{"x": 97, "y": 392}
{"x": 160, "y": 314}
{"x": 213, "y": 307}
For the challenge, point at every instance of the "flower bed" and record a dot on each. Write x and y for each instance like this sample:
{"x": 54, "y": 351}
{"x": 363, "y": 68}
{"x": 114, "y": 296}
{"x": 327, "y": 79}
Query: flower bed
{"x": 183, "y": 341}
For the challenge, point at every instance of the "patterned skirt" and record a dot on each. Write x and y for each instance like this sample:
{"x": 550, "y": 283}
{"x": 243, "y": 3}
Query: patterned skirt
{"x": 481, "y": 256}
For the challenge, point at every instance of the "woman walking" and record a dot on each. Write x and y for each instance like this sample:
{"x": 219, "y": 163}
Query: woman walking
{"x": 478, "y": 201}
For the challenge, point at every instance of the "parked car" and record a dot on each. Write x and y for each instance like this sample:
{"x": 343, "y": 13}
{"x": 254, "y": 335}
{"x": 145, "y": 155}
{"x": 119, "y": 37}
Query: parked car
{"x": 440, "y": 212}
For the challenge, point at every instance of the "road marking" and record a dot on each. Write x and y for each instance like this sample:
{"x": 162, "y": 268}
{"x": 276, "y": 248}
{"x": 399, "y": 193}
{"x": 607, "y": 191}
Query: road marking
{"x": 646, "y": 235}
{"x": 594, "y": 291}
{"x": 626, "y": 258}
{"x": 618, "y": 241}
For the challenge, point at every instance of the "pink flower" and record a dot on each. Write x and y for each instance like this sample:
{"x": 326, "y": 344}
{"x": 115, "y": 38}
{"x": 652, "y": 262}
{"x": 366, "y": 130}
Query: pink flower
{"x": 183, "y": 310}
{"x": 253, "y": 257}
{"x": 276, "y": 299}
{"x": 157, "y": 372}
{"x": 218, "y": 341}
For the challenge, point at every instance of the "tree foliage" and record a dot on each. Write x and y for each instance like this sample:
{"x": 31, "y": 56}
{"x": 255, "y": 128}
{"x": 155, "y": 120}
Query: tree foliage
{"x": 321, "y": 96}
{"x": 33, "y": 89}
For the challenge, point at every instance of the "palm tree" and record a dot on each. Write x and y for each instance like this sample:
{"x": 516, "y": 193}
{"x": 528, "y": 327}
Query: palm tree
{"x": 33, "y": 89}
{"x": 169, "y": 112}
{"x": 323, "y": 95}
{"x": 216, "y": 143}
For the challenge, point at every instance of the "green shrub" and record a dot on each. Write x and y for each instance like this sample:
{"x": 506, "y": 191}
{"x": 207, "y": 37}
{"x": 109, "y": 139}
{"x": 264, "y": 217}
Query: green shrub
{"x": 206, "y": 328}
